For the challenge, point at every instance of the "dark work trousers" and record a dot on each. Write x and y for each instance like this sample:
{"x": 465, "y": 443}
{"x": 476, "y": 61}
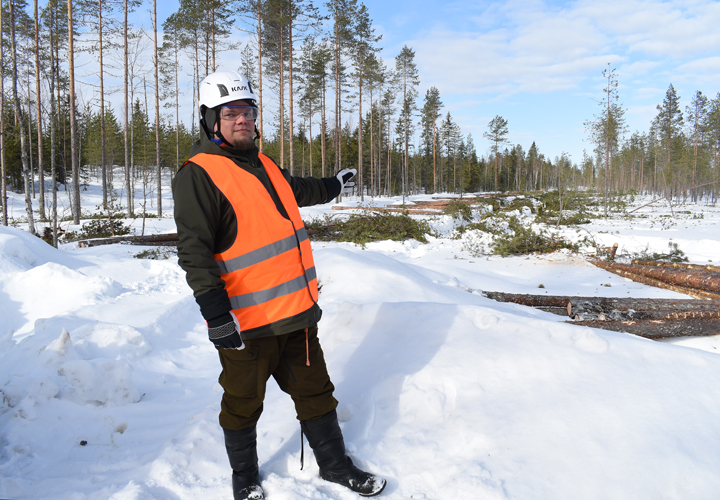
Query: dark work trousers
{"x": 245, "y": 374}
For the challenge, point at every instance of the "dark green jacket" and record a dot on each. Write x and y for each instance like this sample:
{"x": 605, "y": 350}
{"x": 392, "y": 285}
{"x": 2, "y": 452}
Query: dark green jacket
{"x": 207, "y": 225}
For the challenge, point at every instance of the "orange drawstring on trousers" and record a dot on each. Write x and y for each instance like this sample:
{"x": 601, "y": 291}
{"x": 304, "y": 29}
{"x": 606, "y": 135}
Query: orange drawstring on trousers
{"x": 307, "y": 347}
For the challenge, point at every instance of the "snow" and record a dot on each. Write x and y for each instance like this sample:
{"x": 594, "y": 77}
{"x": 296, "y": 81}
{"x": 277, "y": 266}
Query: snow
{"x": 109, "y": 383}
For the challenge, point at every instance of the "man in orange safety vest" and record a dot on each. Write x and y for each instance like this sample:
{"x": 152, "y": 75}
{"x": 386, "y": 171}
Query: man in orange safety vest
{"x": 248, "y": 260}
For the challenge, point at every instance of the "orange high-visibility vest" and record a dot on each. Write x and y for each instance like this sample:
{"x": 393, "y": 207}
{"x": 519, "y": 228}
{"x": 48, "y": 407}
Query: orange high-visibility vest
{"x": 269, "y": 271}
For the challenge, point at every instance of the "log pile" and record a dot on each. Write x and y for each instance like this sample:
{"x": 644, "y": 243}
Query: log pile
{"x": 695, "y": 281}
{"x": 649, "y": 318}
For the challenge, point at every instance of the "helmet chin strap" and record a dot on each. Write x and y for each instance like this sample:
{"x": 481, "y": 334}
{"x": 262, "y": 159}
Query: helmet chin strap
{"x": 220, "y": 140}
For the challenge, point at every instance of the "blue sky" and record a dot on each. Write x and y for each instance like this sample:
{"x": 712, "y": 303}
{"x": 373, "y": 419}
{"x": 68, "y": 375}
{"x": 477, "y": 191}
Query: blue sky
{"x": 539, "y": 64}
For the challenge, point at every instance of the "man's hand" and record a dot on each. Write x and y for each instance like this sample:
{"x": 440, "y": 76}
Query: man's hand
{"x": 225, "y": 335}
{"x": 345, "y": 175}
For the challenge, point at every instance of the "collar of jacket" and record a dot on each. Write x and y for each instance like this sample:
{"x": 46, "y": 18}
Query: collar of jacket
{"x": 205, "y": 145}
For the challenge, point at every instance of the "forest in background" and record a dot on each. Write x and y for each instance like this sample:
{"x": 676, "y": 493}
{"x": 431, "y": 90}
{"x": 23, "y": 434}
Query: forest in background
{"x": 328, "y": 102}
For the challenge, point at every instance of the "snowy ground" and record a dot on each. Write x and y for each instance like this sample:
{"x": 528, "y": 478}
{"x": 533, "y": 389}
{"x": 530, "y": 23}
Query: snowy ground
{"x": 109, "y": 384}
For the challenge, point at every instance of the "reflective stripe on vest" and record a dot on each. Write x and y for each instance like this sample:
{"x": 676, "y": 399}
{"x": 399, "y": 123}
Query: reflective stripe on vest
{"x": 263, "y": 253}
{"x": 255, "y": 298}
{"x": 268, "y": 271}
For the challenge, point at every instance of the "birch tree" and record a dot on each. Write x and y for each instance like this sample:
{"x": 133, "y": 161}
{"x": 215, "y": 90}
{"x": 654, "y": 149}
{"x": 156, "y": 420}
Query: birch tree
{"x": 16, "y": 19}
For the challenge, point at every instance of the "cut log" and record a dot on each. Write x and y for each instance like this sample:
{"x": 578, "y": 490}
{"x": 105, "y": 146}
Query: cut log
{"x": 678, "y": 265}
{"x": 600, "y": 305}
{"x": 170, "y": 239}
{"x": 532, "y": 300}
{"x": 659, "y": 328}
{"x": 576, "y": 304}
{"x": 692, "y": 278}
{"x": 632, "y": 314}
{"x": 631, "y": 272}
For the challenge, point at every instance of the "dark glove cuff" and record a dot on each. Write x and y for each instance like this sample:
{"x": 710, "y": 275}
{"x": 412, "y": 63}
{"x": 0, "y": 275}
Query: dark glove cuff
{"x": 222, "y": 331}
{"x": 214, "y": 304}
{"x": 333, "y": 188}
{"x": 220, "y": 320}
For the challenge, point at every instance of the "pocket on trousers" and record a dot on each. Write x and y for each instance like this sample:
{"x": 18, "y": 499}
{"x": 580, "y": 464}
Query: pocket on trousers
{"x": 239, "y": 377}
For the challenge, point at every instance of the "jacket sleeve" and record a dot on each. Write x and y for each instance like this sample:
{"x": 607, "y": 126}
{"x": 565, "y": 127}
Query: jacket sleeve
{"x": 199, "y": 213}
{"x": 311, "y": 190}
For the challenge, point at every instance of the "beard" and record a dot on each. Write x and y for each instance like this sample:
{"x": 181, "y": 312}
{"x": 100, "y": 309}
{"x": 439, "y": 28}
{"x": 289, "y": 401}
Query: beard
{"x": 243, "y": 144}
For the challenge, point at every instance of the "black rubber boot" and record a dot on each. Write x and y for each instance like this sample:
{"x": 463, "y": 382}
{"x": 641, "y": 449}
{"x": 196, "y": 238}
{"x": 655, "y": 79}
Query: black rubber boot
{"x": 326, "y": 440}
{"x": 242, "y": 451}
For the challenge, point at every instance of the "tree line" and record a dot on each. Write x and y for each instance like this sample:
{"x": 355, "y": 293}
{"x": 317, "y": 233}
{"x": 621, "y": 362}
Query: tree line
{"x": 678, "y": 157}
{"x": 328, "y": 101}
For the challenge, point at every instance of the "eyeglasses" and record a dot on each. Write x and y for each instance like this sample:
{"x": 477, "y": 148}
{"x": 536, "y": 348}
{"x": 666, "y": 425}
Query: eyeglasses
{"x": 232, "y": 113}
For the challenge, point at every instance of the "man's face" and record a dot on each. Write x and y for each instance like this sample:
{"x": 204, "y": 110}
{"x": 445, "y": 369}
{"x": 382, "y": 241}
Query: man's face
{"x": 239, "y": 132}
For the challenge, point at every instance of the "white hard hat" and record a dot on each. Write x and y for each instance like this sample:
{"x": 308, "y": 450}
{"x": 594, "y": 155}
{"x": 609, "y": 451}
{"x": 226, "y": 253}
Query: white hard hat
{"x": 222, "y": 87}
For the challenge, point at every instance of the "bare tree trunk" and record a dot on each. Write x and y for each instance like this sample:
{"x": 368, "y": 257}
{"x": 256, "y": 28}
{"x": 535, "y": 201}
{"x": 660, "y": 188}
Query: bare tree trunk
{"x": 3, "y": 182}
{"x": 405, "y": 133}
{"x": 103, "y": 153}
{"x": 282, "y": 94}
{"x": 177, "y": 112}
{"x": 360, "y": 148}
{"x": 260, "y": 86}
{"x": 29, "y": 127}
{"x": 53, "y": 124}
{"x": 372, "y": 151}
{"x": 73, "y": 125}
{"x": 311, "y": 139}
{"x": 290, "y": 95}
{"x": 128, "y": 180}
{"x": 20, "y": 123}
{"x": 338, "y": 103}
{"x": 212, "y": 15}
{"x": 323, "y": 128}
{"x": 434, "y": 139}
{"x": 157, "y": 111}
{"x": 41, "y": 171}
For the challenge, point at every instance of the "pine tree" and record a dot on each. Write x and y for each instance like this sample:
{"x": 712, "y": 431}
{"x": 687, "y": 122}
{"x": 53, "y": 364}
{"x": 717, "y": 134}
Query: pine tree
{"x": 407, "y": 79}
{"x": 430, "y": 115}
{"x": 669, "y": 122}
{"x": 607, "y": 128}
{"x": 496, "y": 133}
{"x": 362, "y": 51}
{"x": 697, "y": 115}
{"x": 343, "y": 15}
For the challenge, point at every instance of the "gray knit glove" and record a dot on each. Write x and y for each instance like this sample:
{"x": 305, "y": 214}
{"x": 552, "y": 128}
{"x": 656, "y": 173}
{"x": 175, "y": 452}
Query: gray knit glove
{"x": 226, "y": 335}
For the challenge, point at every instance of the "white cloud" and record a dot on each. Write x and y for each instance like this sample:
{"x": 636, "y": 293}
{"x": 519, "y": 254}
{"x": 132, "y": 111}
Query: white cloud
{"x": 706, "y": 65}
{"x": 645, "y": 93}
{"x": 676, "y": 28}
